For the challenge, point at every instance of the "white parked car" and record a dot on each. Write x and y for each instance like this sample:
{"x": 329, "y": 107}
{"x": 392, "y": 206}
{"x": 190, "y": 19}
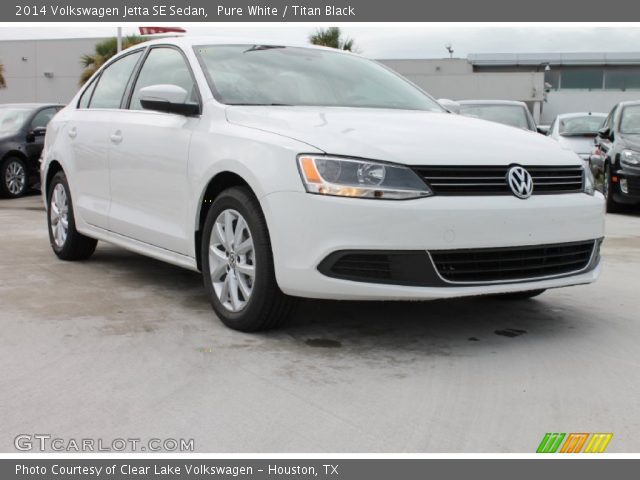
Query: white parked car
{"x": 283, "y": 171}
{"x": 577, "y": 131}
{"x": 507, "y": 112}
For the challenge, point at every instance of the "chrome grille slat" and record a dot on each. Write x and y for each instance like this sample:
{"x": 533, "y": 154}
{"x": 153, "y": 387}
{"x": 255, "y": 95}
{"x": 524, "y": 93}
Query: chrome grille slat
{"x": 491, "y": 180}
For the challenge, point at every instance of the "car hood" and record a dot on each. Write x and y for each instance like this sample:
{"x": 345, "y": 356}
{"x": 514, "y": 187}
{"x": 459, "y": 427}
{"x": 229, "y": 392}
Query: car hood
{"x": 404, "y": 136}
{"x": 580, "y": 144}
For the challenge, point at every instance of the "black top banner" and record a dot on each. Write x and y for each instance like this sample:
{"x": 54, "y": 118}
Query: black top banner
{"x": 319, "y": 11}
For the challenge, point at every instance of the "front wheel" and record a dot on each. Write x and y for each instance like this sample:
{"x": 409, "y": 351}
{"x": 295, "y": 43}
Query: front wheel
{"x": 237, "y": 264}
{"x": 13, "y": 173}
{"x": 67, "y": 243}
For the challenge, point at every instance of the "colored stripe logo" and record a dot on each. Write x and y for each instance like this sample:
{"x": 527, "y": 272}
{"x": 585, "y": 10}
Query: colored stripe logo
{"x": 574, "y": 442}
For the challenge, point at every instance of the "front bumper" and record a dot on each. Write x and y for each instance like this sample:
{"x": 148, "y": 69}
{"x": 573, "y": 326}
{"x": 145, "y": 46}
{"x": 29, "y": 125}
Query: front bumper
{"x": 305, "y": 229}
{"x": 631, "y": 178}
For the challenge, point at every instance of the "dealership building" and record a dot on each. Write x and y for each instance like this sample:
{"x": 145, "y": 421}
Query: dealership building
{"x": 552, "y": 83}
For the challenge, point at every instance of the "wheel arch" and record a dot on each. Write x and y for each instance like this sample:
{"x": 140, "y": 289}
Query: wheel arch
{"x": 53, "y": 168}
{"x": 218, "y": 184}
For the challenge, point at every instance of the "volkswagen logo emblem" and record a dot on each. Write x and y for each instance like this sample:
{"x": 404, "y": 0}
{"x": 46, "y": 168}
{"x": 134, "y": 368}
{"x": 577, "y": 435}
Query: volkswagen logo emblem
{"x": 520, "y": 182}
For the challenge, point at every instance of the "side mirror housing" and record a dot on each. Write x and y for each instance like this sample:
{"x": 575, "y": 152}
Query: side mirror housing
{"x": 168, "y": 99}
{"x": 604, "y": 132}
{"x": 36, "y": 132}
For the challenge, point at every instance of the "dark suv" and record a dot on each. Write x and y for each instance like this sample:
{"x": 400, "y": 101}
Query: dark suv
{"x": 617, "y": 155}
{"x": 22, "y": 129}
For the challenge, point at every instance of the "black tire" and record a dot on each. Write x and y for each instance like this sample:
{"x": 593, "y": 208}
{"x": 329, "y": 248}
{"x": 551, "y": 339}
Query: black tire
{"x": 75, "y": 246}
{"x": 520, "y": 295}
{"x": 607, "y": 190}
{"x": 10, "y": 185}
{"x": 267, "y": 307}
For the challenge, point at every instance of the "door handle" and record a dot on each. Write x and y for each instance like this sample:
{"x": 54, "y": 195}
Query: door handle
{"x": 73, "y": 132}
{"x": 116, "y": 137}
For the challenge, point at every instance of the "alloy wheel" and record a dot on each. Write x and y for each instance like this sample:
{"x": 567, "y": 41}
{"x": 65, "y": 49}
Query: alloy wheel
{"x": 59, "y": 214}
{"x": 15, "y": 177}
{"x": 232, "y": 260}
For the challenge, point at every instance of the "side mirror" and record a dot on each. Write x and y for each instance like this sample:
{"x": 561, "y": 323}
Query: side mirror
{"x": 168, "y": 99}
{"x": 604, "y": 132}
{"x": 543, "y": 129}
{"x": 36, "y": 132}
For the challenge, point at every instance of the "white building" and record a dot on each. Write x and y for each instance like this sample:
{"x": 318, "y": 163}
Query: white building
{"x": 43, "y": 70}
{"x": 550, "y": 83}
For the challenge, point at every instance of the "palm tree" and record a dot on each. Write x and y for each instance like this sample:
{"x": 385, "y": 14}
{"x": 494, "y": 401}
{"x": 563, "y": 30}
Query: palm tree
{"x": 104, "y": 50}
{"x": 332, "y": 37}
{"x": 3, "y": 82}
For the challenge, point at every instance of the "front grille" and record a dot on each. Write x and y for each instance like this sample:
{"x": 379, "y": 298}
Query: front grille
{"x": 633, "y": 185}
{"x": 512, "y": 263}
{"x": 492, "y": 180}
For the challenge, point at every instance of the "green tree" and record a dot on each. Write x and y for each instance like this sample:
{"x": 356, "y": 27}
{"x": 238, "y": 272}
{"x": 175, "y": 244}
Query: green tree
{"x": 3, "y": 82}
{"x": 332, "y": 37}
{"x": 104, "y": 50}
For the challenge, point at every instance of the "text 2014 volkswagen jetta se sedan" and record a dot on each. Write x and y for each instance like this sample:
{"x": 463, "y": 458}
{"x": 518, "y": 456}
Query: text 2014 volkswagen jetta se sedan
{"x": 284, "y": 172}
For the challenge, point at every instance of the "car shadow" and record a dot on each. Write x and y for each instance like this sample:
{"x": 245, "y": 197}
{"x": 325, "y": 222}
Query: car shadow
{"x": 462, "y": 326}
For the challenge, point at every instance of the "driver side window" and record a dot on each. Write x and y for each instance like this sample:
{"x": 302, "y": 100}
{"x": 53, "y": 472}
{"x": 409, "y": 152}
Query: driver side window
{"x": 164, "y": 66}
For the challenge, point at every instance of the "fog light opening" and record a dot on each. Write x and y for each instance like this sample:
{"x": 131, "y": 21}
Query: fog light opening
{"x": 624, "y": 187}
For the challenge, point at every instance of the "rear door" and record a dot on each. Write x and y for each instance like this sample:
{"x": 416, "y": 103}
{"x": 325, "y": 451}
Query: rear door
{"x": 89, "y": 128}
{"x": 149, "y": 157}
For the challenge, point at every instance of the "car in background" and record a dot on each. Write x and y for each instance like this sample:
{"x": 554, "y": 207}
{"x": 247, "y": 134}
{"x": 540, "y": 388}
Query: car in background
{"x": 22, "y": 130}
{"x": 507, "y": 112}
{"x": 617, "y": 155}
{"x": 576, "y": 131}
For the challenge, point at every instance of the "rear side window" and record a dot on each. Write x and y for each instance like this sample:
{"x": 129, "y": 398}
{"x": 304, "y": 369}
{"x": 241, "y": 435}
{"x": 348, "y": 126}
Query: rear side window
{"x": 164, "y": 66}
{"x": 113, "y": 82}
{"x": 86, "y": 95}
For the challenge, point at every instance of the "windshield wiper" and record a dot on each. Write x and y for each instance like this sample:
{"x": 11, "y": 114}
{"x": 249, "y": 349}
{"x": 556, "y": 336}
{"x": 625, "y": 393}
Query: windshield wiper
{"x": 258, "y": 48}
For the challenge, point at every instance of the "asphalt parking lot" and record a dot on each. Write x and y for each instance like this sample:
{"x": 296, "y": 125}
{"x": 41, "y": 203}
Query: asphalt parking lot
{"x": 125, "y": 346}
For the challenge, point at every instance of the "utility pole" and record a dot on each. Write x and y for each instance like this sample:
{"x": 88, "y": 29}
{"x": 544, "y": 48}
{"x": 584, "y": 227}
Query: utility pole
{"x": 119, "y": 42}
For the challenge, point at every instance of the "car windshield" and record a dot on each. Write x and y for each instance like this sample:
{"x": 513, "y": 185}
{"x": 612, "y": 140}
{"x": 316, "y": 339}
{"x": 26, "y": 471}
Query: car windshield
{"x": 587, "y": 125}
{"x": 630, "y": 120}
{"x": 512, "y": 115}
{"x": 275, "y": 75}
{"x": 12, "y": 119}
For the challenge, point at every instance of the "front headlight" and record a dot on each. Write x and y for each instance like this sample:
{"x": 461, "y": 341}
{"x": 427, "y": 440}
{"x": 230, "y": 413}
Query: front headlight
{"x": 345, "y": 177}
{"x": 589, "y": 182}
{"x": 630, "y": 158}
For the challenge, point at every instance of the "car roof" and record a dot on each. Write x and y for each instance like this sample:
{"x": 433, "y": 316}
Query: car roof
{"x": 582, "y": 114}
{"x": 492, "y": 102}
{"x": 629, "y": 103}
{"x": 191, "y": 41}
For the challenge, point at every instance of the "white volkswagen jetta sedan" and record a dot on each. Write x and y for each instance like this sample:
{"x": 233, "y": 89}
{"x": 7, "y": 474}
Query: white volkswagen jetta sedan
{"x": 284, "y": 171}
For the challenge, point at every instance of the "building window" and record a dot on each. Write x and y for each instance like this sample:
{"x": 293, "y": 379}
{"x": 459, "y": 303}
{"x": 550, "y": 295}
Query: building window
{"x": 622, "y": 79}
{"x": 583, "y": 79}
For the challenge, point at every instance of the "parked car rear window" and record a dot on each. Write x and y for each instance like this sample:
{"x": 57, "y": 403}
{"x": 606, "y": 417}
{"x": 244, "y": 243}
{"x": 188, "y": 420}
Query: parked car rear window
{"x": 512, "y": 115}
{"x": 630, "y": 120}
{"x": 274, "y": 75}
{"x": 586, "y": 125}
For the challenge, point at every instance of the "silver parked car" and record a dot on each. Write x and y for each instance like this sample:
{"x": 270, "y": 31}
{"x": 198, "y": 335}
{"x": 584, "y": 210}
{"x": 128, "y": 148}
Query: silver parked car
{"x": 507, "y": 112}
{"x": 576, "y": 131}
